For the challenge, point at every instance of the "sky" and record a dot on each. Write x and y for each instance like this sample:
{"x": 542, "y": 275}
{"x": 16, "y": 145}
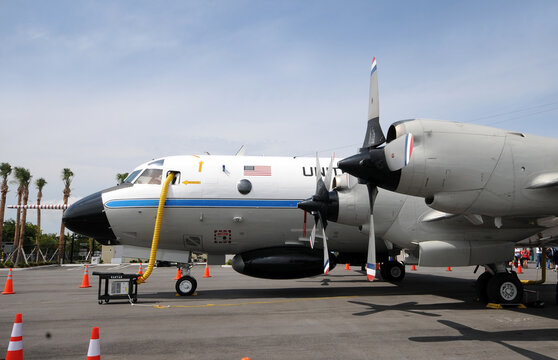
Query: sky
{"x": 102, "y": 86}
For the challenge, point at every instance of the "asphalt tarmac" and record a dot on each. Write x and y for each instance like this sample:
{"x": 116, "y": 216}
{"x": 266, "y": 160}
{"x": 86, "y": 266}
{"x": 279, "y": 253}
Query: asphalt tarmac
{"x": 432, "y": 314}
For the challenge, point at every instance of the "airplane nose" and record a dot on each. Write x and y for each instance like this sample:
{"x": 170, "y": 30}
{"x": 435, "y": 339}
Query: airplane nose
{"x": 87, "y": 217}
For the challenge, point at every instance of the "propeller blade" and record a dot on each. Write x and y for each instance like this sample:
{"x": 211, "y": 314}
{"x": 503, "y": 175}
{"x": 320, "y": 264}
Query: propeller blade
{"x": 313, "y": 236}
{"x": 373, "y": 103}
{"x": 371, "y": 257}
{"x": 374, "y": 134}
{"x": 398, "y": 152}
{"x": 318, "y": 169}
{"x": 326, "y": 253}
{"x": 329, "y": 173}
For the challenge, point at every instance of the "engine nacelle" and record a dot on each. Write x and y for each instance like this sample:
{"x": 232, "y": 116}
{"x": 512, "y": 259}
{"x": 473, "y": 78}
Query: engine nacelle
{"x": 467, "y": 168}
{"x": 353, "y": 206}
{"x": 464, "y": 253}
{"x": 286, "y": 262}
{"x": 344, "y": 182}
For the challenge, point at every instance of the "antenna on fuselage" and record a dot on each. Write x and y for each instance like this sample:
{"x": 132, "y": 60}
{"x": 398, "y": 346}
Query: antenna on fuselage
{"x": 241, "y": 151}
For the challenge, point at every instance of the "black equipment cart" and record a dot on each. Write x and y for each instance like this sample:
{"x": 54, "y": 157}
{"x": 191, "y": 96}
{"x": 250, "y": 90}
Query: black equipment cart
{"x": 117, "y": 286}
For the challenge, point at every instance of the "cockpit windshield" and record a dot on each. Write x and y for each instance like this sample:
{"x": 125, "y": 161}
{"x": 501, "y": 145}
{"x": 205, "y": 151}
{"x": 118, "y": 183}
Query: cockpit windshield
{"x": 159, "y": 162}
{"x": 130, "y": 178}
{"x": 150, "y": 176}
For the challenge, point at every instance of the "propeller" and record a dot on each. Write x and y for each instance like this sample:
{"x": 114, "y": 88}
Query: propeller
{"x": 377, "y": 165}
{"x": 318, "y": 206}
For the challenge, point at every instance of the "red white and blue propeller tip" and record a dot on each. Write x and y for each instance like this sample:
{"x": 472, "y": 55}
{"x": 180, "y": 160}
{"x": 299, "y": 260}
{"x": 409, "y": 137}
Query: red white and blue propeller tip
{"x": 371, "y": 271}
{"x": 326, "y": 253}
{"x": 373, "y": 67}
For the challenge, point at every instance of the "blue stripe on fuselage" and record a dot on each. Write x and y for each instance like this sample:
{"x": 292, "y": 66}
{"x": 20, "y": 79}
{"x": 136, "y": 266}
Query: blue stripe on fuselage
{"x": 216, "y": 203}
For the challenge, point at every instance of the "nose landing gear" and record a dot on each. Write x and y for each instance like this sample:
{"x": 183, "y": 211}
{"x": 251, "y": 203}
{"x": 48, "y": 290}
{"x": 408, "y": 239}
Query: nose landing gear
{"x": 186, "y": 285}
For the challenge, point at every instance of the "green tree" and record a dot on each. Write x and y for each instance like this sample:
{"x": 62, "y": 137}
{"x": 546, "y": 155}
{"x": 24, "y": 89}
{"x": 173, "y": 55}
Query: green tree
{"x": 5, "y": 171}
{"x": 121, "y": 177}
{"x": 67, "y": 177}
{"x": 24, "y": 178}
{"x": 39, "y": 184}
{"x": 48, "y": 242}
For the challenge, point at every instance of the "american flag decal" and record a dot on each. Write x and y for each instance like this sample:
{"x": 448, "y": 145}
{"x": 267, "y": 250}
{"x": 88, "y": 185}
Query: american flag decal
{"x": 257, "y": 170}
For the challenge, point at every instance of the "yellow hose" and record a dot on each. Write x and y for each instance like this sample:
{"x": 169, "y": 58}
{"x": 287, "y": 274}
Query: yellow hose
{"x": 157, "y": 229}
{"x": 543, "y": 272}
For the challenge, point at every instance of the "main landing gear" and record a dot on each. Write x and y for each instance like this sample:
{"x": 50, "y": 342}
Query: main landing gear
{"x": 186, "y": 285}
{"x": 392, "y": 271}
{"x": 499, "y": 286}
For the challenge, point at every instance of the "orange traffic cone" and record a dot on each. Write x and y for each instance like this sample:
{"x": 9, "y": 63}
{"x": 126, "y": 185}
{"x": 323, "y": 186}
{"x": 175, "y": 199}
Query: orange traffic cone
{"x": 519, "y": 269}
{"x": 178, "y": 274}
{"x": 414, "y": 268}
{"x": 347, "y": 266}
{"x": 85, "y": 281}
{"x": 94, "y": 351}
{"x": 140, "y": 272}
{"x": 9, "y": 288}
{"x": 15, "y": 349}
{"x": 448, "y": 269}
{"x": 206, "y": 273}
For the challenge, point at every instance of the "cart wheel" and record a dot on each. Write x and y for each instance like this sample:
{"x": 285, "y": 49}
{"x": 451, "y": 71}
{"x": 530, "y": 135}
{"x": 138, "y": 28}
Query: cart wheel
{"x": 186, "y": 285}
{"x": 106, "y": 301}
{"x": 135, "y": 300}
{"x": 100, "y": 302}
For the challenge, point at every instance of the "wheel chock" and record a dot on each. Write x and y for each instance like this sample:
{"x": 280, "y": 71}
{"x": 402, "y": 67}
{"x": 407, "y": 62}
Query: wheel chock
{"x": 503, "y": 306}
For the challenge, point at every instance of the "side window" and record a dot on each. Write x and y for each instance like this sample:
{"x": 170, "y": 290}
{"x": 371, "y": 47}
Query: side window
{"x": 150, "y": 176}
{"x": 176, "y": 179}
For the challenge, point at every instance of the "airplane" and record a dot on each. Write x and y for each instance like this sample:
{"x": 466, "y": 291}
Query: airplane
{"x": 249, "y": 206}
{"x": 489, "y": 176}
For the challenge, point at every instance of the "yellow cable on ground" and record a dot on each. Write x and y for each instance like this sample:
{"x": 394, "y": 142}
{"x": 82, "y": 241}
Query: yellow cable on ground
{"x": 543, "y": 272}
{"x": 157, "y": 229}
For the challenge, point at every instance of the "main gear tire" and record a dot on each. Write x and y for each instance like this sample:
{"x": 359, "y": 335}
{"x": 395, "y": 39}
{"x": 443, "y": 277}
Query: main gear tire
{"x": 505, "y": 288}
{"x": 392, "y": 271}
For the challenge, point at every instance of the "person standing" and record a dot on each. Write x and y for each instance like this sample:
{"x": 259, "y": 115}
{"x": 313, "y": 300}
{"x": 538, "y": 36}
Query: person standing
{"x": 549, "y": 257}
{"x": 538, "y": 256}
{"x": 524, "y": 257}
{"x": 517, "y": 256}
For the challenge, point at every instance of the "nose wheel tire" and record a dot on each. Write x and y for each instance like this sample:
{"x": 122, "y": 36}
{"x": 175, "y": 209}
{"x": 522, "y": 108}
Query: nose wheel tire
{"x": 186, "y": 285}
{"x": 505, "y": 288}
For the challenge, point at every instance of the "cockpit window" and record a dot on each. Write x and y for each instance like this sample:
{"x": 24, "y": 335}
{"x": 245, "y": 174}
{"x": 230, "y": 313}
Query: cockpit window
{"x": 132, "y": 176}
{"x": 150, "y": 176}
{"x": 159, "y": 162}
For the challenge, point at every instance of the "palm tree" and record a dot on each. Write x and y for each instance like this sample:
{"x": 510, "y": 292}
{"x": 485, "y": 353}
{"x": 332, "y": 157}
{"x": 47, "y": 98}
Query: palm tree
{"x": 67, "y": 176}
{"x": 121, "y": 177}
{"x": 24, "y": 177}
{"x": 17, "y": 174}
{"x": 39, "y": 183}
{"x": 5, "y": 171}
